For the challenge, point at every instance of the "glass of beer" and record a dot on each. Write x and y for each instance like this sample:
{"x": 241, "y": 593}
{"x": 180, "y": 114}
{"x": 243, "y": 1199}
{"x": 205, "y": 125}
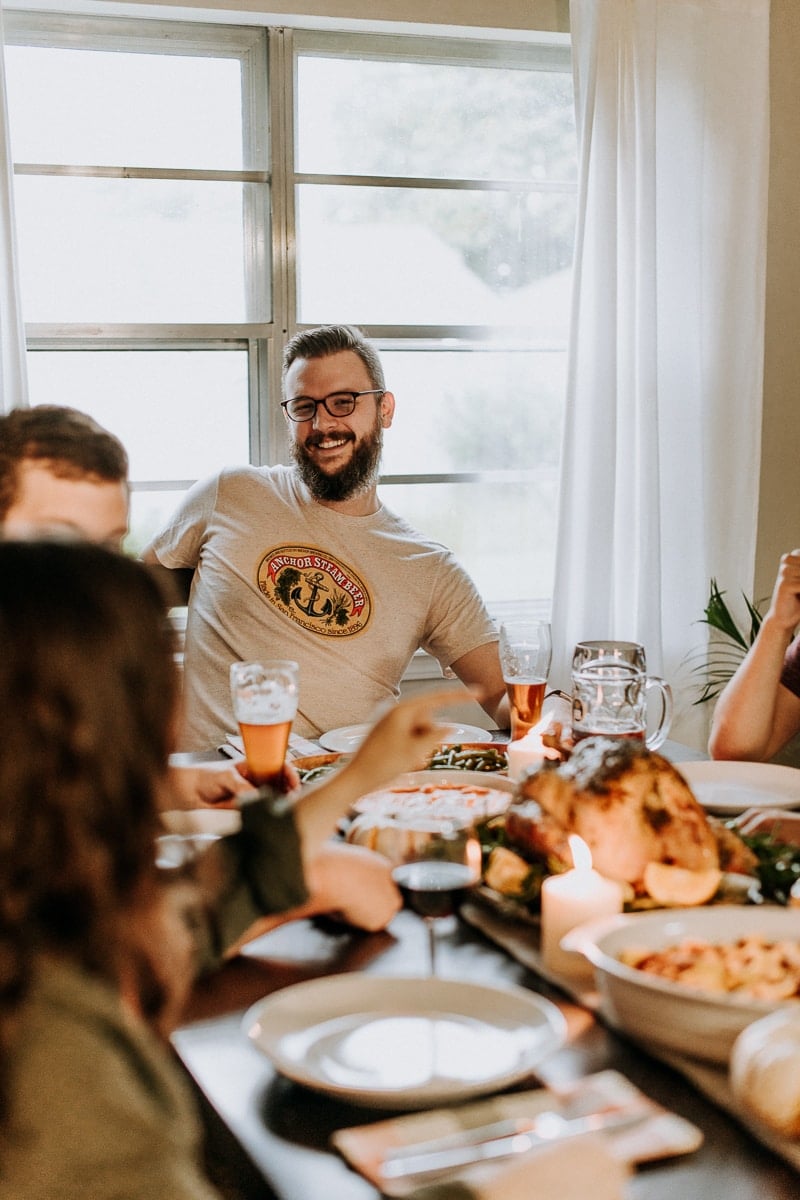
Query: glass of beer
{"x": 526, "y": 649}
{"x": 609, "y": 699}
{"x": 264, "y": 698}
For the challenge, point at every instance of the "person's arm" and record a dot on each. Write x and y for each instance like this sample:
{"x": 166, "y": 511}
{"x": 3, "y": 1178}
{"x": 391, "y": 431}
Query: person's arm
{"x": 282, "y": 860}
{"x": 480, "y": 670}
{"x": 755, "y": 714}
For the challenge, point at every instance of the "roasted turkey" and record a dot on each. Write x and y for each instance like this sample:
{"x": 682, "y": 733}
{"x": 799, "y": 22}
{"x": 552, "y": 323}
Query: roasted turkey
{"x": 631, "y": 807}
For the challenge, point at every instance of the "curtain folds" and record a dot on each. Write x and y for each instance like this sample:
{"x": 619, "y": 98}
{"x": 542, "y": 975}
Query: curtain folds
{"x": 661, "y": 447}
{"x": 13, "y": 371}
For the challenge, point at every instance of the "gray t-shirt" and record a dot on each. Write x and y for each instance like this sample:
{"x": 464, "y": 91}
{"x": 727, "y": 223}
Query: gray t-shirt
{"x": 279, "y": 576}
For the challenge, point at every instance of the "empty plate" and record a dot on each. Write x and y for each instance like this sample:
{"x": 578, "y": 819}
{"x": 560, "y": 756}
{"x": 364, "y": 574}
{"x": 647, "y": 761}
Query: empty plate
{"x": 349, "y": 737}
{"x": 403, "y": 1043}
{"x": 732, "y": 787}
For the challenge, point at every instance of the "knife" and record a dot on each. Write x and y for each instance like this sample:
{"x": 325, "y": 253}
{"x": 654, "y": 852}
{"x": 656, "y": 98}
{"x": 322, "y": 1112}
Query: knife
{"x": 501, "y": 1140}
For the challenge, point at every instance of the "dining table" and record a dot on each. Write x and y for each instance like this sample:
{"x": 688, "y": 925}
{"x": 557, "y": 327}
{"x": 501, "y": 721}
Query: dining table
{"x": 268, "y": 1137}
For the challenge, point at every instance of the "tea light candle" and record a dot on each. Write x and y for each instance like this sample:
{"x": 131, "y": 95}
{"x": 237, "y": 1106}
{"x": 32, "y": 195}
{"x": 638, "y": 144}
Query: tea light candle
{"x": 528, "y": 751}
{"x": 569, "y": 900}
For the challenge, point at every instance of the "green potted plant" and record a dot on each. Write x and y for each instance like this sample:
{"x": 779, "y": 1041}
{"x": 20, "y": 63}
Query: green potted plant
{"x": 727, "y": 646}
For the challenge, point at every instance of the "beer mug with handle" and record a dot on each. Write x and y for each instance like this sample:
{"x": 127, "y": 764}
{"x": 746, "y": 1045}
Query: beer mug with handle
{"x": 609, "y": 699}
{"x": 627, "y": 652}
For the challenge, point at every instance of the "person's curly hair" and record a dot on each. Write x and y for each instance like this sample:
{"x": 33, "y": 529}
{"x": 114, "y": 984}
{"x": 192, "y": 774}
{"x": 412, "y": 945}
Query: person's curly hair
{"x": 88, "y": 693}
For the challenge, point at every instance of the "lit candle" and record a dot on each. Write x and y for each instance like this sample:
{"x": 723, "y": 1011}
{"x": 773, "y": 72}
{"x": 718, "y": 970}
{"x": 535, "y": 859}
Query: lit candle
{"x": 569, "y": 900}
{"x": 529, "y": 751}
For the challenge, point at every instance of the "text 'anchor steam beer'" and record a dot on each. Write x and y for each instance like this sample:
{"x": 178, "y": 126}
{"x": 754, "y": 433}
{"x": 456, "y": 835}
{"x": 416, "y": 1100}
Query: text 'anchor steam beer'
{"x": 264, "y": 698}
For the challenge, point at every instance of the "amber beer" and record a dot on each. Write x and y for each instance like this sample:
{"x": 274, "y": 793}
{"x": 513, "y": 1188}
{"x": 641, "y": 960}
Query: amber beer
{"x": 616, "y": 735}
{"x": 264, "y": 696}
{"x": 526, "y": 697}
{"x": 265, "y": 749}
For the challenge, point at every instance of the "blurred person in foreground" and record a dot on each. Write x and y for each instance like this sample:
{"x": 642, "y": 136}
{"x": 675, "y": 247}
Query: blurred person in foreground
{"x": 306, "y": 562}
{"x": 62, "y": 473}
{"x": 758, "y": 711}
{"x": 95, "y": 960}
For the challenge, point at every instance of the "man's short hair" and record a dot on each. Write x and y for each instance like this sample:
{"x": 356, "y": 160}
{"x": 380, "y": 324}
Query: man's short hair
{"x": 332, "y": 339}
{"x": 67, "y": 442}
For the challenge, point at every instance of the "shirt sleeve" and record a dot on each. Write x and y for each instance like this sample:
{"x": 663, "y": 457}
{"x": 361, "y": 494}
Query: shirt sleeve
{"x": 259, "y": 871}
{"x": 178, "y": 545}
{"x": 458, "y": 620}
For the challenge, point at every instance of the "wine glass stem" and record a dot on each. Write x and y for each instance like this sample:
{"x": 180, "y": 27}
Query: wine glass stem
{"x": 431, "y": 927}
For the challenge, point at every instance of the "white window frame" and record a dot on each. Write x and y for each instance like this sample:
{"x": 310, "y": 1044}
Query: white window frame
{"x": 268, "y": 57}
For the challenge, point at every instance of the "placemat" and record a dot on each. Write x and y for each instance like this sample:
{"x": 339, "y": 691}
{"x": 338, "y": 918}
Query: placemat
{"x": 520, "y": 940}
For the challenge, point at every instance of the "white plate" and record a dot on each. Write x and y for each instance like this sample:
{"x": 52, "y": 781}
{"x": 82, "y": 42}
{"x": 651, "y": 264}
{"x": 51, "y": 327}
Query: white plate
{"x": 733, "y": 787}
{"x": 403, "y": 1043}
{"x": 349, "y": 737}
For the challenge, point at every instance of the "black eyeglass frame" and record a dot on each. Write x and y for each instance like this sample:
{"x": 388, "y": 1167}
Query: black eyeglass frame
{"x": 324, "y": 402}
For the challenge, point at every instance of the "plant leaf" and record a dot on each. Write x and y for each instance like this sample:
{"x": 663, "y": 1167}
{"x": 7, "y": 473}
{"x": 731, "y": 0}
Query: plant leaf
{"x": 718, "y": 616}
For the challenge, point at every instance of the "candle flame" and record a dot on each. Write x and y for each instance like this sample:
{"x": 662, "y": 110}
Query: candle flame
{"x": 532, "y": 741}
{"x": 581, "y": 854}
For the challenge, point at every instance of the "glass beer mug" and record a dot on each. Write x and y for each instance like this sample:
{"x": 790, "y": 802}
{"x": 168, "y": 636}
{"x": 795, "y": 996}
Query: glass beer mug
{"x": 609, "y": 699}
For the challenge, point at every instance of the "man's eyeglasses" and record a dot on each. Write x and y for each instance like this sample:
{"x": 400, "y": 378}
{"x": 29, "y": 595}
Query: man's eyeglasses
{"x": 338, "y": 404}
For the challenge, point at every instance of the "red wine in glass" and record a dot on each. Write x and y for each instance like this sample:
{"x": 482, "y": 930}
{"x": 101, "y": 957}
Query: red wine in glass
{"x": 434, "y": 889}
{"x": 433, "y": 880}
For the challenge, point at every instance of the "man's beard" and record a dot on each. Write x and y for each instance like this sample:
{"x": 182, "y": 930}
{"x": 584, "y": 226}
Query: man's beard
{"x": 358, "y": 475}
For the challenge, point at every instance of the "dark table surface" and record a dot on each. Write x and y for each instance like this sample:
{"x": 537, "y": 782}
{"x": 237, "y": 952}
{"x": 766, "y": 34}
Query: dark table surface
{"x": 273, "y": 1135}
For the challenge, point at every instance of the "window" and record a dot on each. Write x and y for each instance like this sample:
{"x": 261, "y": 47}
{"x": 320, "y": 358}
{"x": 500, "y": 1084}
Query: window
{"x": 187, "y": 196}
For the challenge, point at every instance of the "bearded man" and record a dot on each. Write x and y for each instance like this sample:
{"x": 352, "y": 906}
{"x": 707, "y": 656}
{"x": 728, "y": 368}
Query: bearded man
{"x": 305, "y": 562}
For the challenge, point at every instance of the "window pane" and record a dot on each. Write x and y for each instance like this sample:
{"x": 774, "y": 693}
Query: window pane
{"x": 363, "y": 117}
{"x": 392, "y": 256}
{"x": 101, "y": 108}
{"x": 125, "y": 250}
{"x": 150, "y": 512}
{"x": 504, "y": 535}
{"x": 180, "y": 414}
{"x": 476, "y": 410}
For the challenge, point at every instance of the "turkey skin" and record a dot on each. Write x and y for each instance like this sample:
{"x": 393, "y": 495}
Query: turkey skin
{"x": 631, "y": 807}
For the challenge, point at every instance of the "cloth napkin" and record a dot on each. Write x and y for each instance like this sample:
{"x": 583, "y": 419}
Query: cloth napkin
{"x": 299, "y": 747}
{"x": 661, "y": 1134}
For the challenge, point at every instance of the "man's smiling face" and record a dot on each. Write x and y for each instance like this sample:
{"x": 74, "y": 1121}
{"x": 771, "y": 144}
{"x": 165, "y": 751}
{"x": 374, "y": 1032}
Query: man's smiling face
{"x": 337, "y": 457}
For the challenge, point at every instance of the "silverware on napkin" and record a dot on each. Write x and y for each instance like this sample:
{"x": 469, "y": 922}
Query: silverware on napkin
{"x": 501, "y": 1140}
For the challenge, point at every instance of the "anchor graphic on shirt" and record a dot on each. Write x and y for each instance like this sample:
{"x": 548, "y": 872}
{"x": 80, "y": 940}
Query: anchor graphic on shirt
{"x": 317, "y": 586}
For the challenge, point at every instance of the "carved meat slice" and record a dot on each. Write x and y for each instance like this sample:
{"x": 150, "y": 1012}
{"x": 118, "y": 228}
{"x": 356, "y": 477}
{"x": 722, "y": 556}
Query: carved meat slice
{"x": 628, "y": 804}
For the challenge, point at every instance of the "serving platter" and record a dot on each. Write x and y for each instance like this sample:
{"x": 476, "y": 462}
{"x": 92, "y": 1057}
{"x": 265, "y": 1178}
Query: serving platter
{"x": 730, "y": 788}
{"x": 475, "y": 794}
{"x": 404, "y": 1042}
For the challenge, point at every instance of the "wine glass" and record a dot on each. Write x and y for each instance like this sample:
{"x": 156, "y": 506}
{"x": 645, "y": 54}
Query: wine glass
{"x": 441, "y": 862}
{"x": 526, "y": 650}
{"x": 264, "y": 698}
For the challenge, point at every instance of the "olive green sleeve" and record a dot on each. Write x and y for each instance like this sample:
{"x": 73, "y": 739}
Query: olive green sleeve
{"x": 259, "y": 871}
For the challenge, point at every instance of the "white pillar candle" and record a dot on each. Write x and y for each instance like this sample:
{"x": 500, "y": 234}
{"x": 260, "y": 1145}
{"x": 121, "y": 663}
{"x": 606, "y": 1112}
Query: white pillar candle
{"x": 569, "y": 900}
{"x": 528, "y": 751}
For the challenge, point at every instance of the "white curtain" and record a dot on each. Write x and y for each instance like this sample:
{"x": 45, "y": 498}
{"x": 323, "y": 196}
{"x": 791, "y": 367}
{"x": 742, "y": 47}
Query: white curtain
{"x": 662, "y": 437}
{"x": 13, "y": 372}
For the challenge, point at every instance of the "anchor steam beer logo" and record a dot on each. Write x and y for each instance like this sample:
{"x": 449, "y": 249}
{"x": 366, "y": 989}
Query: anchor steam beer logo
{"x": 315, "y": 590}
